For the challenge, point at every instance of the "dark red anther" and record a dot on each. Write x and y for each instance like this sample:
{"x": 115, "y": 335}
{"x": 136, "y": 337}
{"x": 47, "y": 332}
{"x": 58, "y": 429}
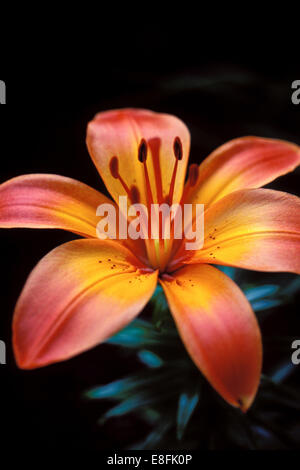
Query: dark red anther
{"x": 142, "y": 151}
{"x": 134, "y": 195}
{"x": 114, "y": 167}
{"x": 177, "y": 147}
{"x": 193, "y": 174}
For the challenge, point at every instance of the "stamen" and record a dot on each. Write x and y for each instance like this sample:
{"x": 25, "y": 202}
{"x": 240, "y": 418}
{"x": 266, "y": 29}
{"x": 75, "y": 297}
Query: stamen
{"x": 154, "y": 145}
{"x": 167, "y": 277}
{"x": 134, "y": 195}
{"x": 177, "y": 147}
{"x": 178, "y": 153}
{"x": 160, "y": 246}
{"x": 142, "y": 156}
{"x": 143, "y": 151}
{"x": 191, "y": 181}
{"x": 193, "y": 174}
{"x": 167, "y": 247}
{"x": 114, "y": 169}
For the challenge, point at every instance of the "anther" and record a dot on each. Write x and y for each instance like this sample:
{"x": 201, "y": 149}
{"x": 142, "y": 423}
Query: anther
{"x": 114, "y": 170}
{"x": 142, "y": 156}
{"x": 142, "y": 151}
{"x": 114, "y": 167}
{"x": 134, "y": 195}
{"x": 177, "y": 147}
{"x": 193, "y": 174}
{"x": 167, "y": 277}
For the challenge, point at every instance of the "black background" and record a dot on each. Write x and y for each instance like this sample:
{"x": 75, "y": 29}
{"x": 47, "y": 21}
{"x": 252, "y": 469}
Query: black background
{"x": 53, "y": 89}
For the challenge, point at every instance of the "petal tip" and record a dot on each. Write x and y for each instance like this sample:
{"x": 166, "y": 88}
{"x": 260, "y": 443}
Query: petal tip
{"x": 245, "y": 404}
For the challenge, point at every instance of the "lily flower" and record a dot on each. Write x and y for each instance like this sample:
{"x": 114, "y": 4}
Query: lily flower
{"x": 86, "y": 290}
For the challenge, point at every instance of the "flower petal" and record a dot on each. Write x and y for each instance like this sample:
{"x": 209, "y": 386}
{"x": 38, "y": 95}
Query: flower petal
{"x": 78, "y": 295}
{"x": 247, "y": 162}
{"x": 119, "y": 133}
{"x": 219, "y": 330}
{"x": 50, "y": 201}
{"x": 253, "y": 229}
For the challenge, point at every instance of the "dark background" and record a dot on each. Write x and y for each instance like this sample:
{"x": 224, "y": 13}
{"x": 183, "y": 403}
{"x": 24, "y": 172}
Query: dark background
{"x": 53, "y": 90}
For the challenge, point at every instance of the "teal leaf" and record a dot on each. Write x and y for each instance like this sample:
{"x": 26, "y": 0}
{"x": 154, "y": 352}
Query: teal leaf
{"x": 124, "y": 388}
{"x": 121, "y": 388}
{"x": 264, "y": 304}
{"x": 154, "y": 438}
{"x": 150, "y": 359}
{"x": 282, "y": 373}
{"x": 127, "y": 406}
{"x": 292, "y": 288}
{"x": 186, "y": 406}
{"x": 161, "y": 317}
{"x": 138, "y": 334}
{"x": 228, "y": 270}
{"x": 259, "y": 292}
{"x": 138, "y": 401}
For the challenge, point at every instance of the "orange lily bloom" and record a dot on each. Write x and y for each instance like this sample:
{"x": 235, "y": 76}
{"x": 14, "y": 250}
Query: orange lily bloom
{"x": 86, "y": 290}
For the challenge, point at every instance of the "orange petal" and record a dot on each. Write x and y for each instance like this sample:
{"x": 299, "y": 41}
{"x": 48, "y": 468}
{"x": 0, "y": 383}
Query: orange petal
{"x": 219, "y": 330}
{"x": 78, "y": 295}
{"x": 50, "y": 201}
{"x": 253, "y": 229}
{"x": 247, "y": 162}
{"x": 119, "y": 133}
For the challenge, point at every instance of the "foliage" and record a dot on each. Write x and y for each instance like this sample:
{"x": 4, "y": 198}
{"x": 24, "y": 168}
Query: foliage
{"x": 180, "y": 408}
